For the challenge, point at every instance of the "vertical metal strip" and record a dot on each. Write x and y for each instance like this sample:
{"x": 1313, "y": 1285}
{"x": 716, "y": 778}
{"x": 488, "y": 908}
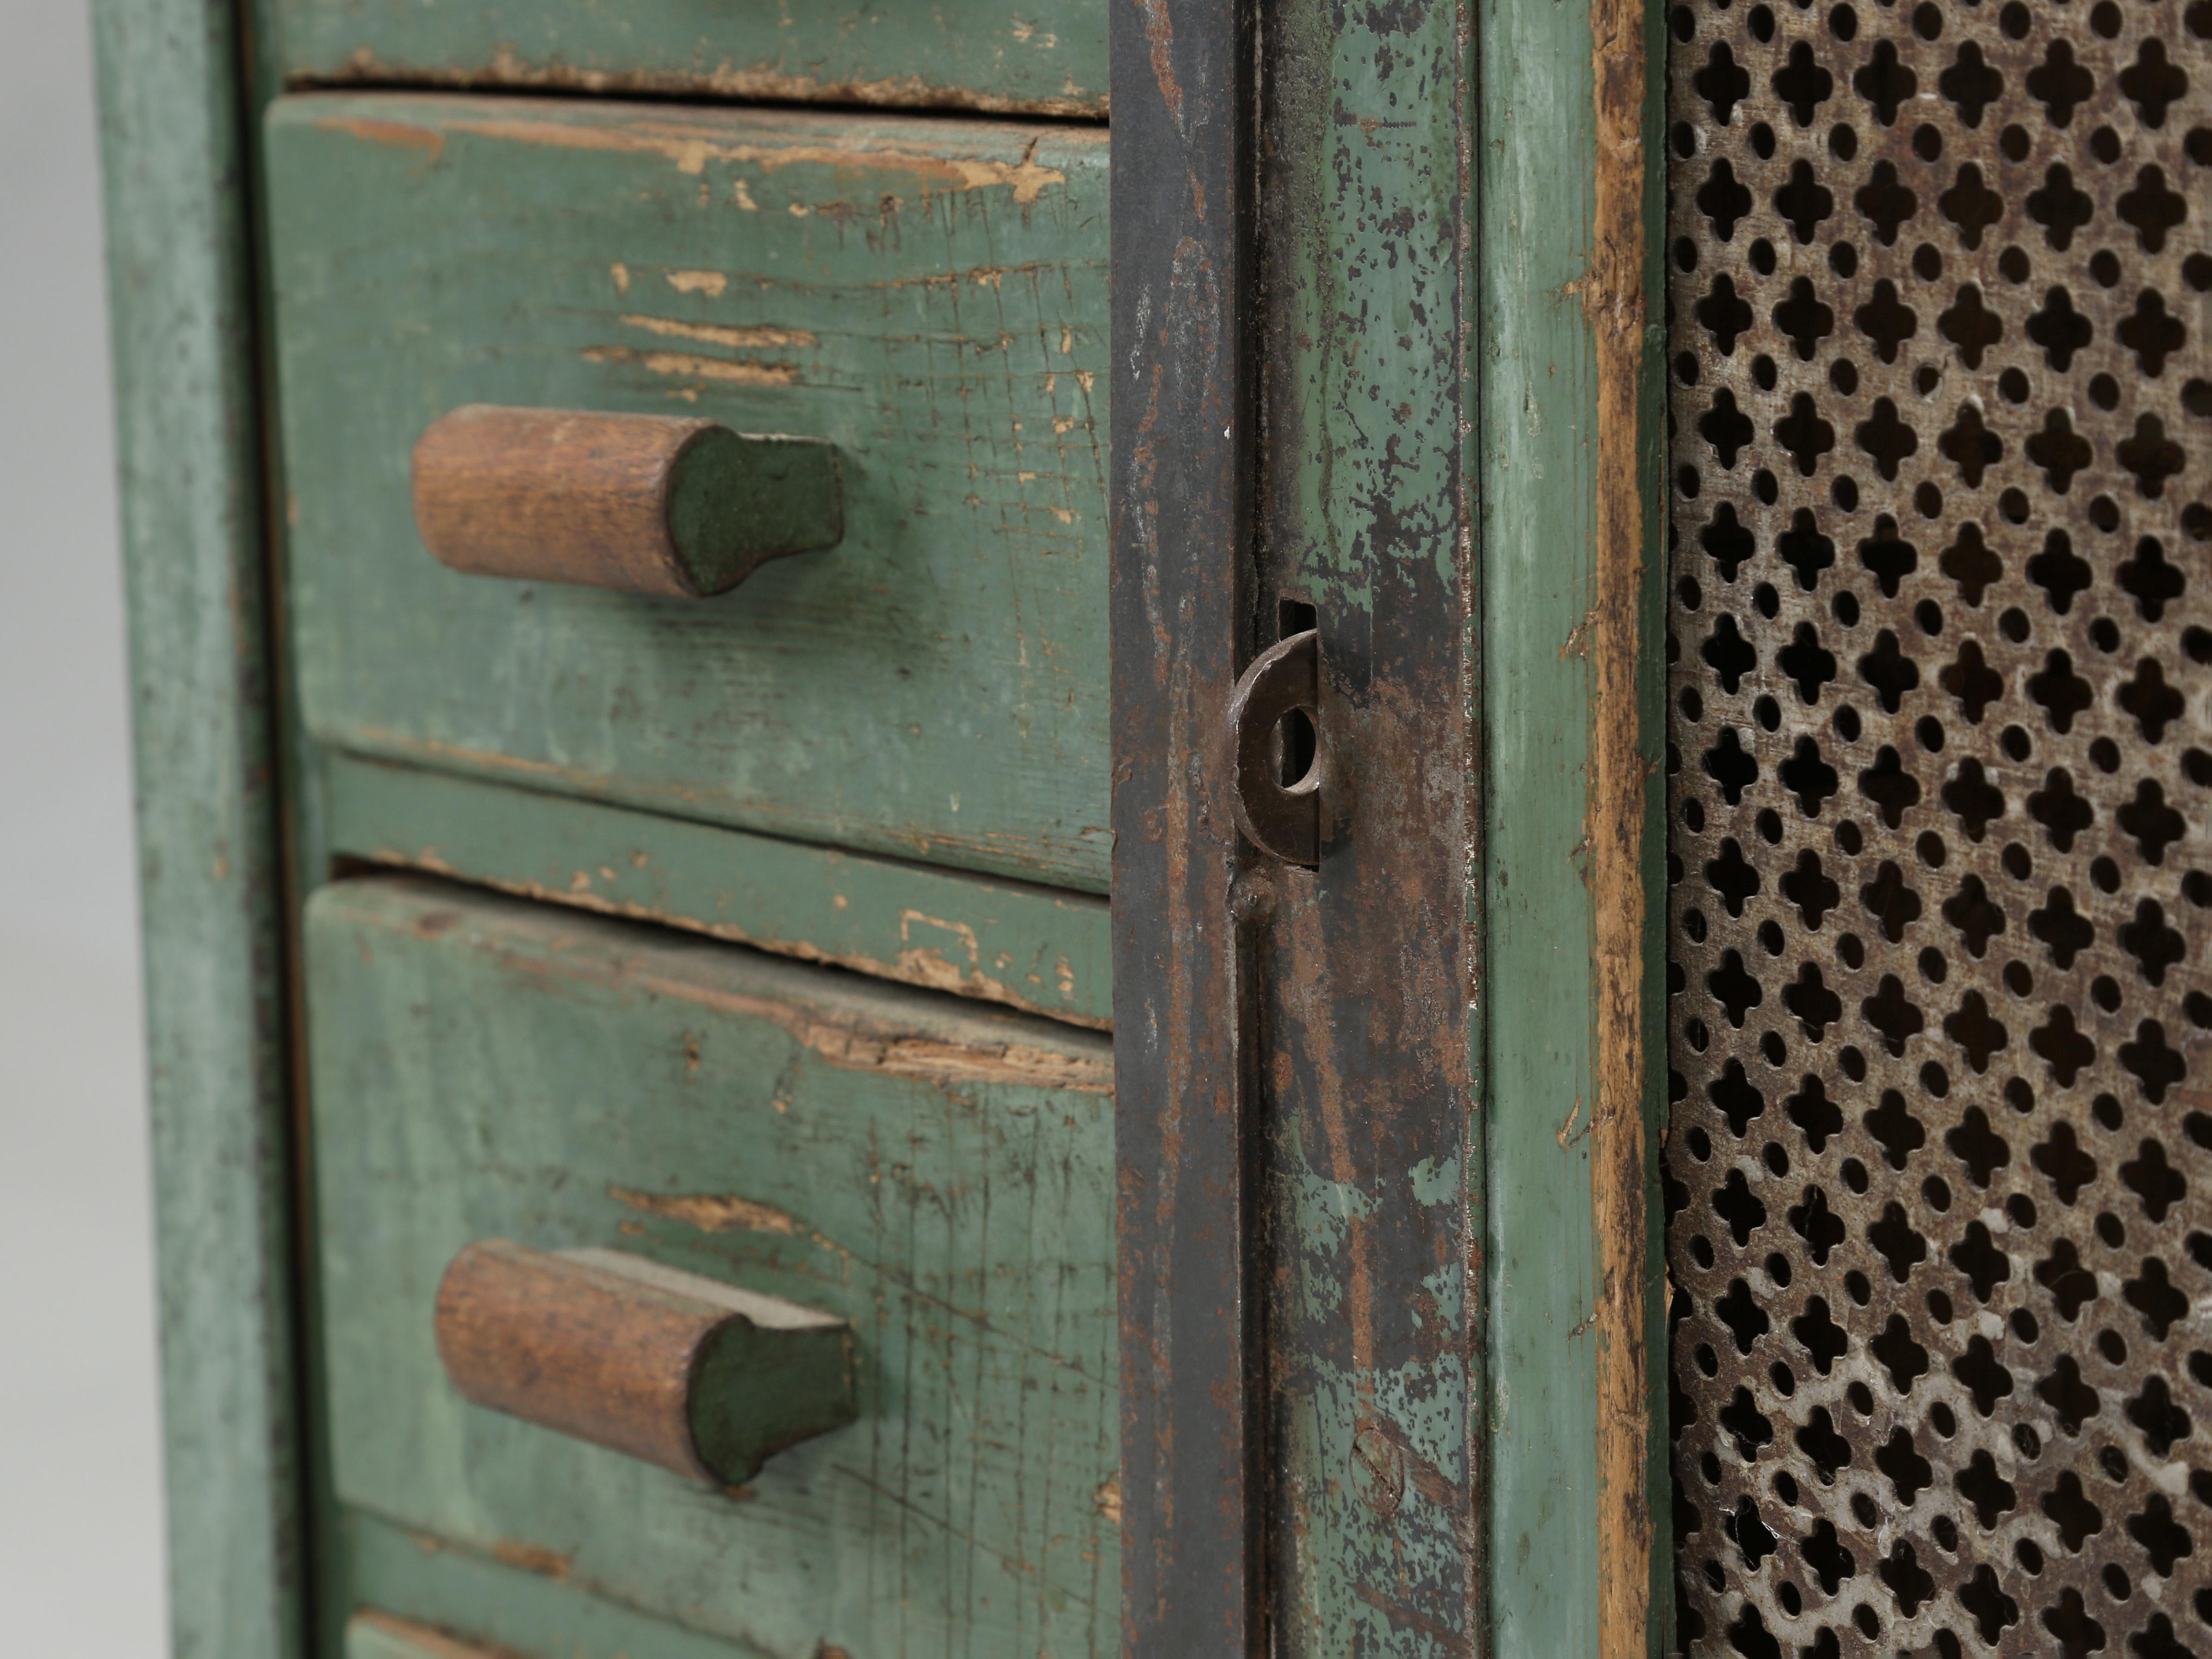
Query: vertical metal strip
{"x": 1362, "y": 966}
{"x": 1181, "y": 74}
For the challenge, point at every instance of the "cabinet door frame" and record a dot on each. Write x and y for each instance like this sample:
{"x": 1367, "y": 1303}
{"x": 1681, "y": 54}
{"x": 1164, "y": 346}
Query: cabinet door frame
{"x": 1278, "y": 167}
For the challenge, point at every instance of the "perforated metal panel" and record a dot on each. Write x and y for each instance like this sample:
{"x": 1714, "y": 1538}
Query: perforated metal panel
{"x": 1940, "y": 1162}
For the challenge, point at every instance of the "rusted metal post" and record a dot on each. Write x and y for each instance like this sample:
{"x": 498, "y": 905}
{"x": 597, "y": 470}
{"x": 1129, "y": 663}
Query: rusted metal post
{"x": 1180, "y": 565}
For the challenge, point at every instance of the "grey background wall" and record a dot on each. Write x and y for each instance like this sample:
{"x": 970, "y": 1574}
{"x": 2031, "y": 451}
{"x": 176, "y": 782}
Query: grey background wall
{"x": 81, "y": 1568}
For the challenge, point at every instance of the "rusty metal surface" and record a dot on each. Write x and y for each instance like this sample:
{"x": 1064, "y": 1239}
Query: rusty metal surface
{"x": 1297, "y": 1151}
{"x": 1181, "y": 571}
{"x": 1940, "y": 1165}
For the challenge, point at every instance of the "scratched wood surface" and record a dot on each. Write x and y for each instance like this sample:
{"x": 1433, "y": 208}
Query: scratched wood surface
{"x": 1033, "y": 948}
{"x": 1044, "y": 57}
{"x": 181, "y": 307}
{"x": 938, "y": 1175}
{"x": 929, "y": 297}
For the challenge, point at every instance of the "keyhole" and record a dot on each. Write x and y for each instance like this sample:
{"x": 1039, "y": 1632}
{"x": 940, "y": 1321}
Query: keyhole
{"x": 1294, "y": 747}
{"x": 1294, "y": 738}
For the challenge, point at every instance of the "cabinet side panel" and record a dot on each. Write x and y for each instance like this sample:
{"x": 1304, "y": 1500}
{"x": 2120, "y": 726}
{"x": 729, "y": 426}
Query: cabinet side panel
{"x": 186, "y": 442}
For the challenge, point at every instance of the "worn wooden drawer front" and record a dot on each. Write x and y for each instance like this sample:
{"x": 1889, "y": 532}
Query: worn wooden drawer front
{"x": 929, "y": 297}
{"x": 1047, "y": 56}
{"x": 940, "y": 1178}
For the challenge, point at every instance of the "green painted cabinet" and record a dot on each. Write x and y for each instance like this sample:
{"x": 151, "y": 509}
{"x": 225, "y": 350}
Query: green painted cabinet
{"x": 1247, "y": 1243}
{"x": 1468, "y": 918}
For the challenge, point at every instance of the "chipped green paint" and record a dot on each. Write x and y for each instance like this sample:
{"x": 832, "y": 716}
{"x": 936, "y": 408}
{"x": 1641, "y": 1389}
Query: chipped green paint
{"x": 927, "y": 296}
{"x": 182, "y": 310}
{"x": 937, "y": 1174}
{"x": 1043, "y": 57}
{"x": 475, "y": 1595}
{"x": 1041, "y": 951}
{"x": 1375, "y": 1167}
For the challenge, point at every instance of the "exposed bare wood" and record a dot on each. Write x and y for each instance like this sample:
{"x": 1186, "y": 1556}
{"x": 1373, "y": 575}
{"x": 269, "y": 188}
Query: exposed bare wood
{"x": 1615, "y": 307}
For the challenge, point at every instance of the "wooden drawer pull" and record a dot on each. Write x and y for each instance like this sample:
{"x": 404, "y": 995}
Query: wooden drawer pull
{"x": 641, "y": 504}
{"x": 697, "y": 1377}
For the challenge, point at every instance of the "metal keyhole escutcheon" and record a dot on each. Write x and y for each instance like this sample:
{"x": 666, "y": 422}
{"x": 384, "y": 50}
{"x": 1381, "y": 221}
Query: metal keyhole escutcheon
{"x": 1283, "y": 819}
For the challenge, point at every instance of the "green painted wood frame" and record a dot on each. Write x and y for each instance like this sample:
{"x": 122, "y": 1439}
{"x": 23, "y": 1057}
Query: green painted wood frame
{"x": 1570, "y": 224}
{"x": 183, "y": 305}
{"x": 1551, "y": 114}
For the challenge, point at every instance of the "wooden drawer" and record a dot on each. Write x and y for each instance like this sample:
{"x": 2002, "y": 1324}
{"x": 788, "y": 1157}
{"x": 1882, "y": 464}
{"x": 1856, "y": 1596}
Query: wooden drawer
{"x": 928, "y": 297}
{"x": 939, "y": 1177}
{"x": 1044, "y": 57}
